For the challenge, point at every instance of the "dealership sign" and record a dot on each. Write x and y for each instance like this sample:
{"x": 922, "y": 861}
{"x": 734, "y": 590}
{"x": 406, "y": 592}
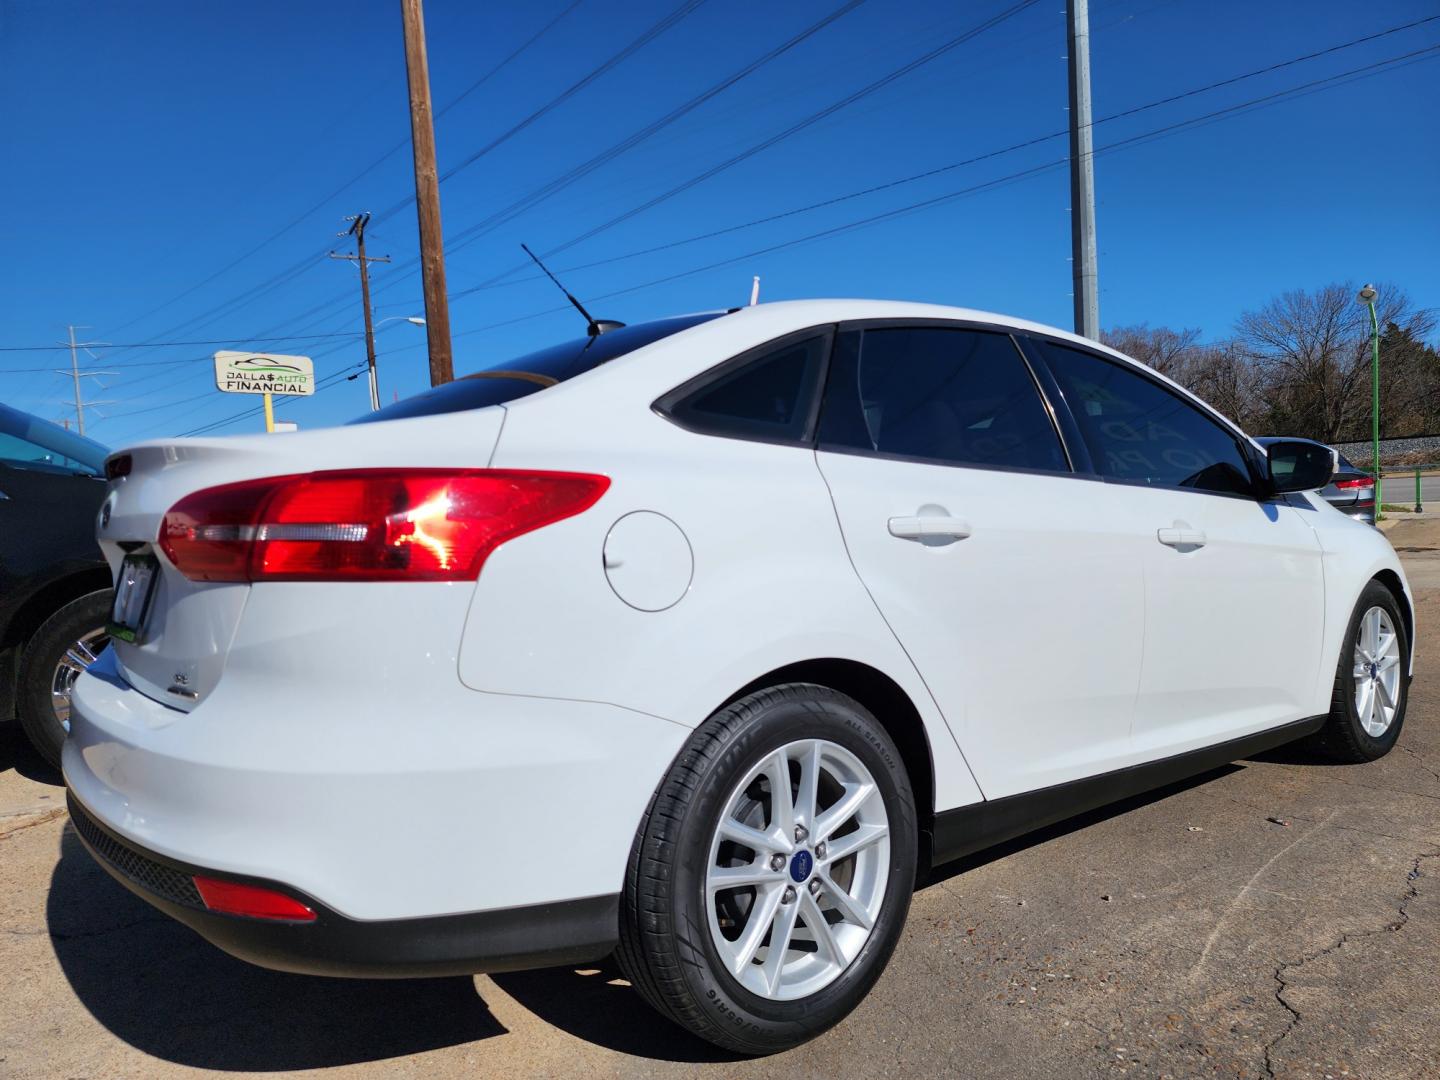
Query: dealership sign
{"x": 264, "y": 373}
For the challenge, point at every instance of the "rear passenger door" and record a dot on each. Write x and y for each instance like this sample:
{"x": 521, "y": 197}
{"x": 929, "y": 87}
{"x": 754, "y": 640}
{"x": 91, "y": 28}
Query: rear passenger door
{"x": 1235, "y": 594}
{"x": 1000, "y": 570}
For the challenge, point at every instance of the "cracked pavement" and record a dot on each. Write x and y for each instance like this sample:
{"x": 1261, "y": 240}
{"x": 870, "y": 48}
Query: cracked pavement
{"x": 1179, "y": 934}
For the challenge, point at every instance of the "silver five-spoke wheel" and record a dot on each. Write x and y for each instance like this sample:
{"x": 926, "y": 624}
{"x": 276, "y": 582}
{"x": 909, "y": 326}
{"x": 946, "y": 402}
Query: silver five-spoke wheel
{"x": 798, "y": 867}
{"x": 1377, "y": 671}
{"x": 80, "y": 655}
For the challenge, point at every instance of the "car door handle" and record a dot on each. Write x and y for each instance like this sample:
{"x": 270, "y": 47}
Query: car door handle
{"x": 917, "y": 528}
{"x": 1180, "y": 537}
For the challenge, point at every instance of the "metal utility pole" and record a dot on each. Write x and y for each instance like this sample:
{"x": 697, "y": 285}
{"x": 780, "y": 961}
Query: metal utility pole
{"x": 357, "y": 230}
{"x": 1083, "y": 265}
{"x": 76, "y": 375}
{"x": 427, "y": 195}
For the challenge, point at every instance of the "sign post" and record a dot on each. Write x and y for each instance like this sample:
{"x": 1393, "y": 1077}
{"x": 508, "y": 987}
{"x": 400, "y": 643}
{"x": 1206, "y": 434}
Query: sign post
{"x": 264, "y": 373}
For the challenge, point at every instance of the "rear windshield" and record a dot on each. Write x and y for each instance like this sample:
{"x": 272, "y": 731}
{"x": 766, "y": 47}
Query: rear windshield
{"x": 511, "y": 379}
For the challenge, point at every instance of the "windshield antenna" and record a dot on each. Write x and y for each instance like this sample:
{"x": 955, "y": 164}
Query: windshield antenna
{"x": 594, "y": 327}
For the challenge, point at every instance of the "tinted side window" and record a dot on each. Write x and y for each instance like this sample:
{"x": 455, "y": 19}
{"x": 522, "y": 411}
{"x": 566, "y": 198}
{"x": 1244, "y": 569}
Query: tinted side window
{"x": 768, "y": 397}
{"x": 964, "y": 397}
{"x": 1141, "y": 433}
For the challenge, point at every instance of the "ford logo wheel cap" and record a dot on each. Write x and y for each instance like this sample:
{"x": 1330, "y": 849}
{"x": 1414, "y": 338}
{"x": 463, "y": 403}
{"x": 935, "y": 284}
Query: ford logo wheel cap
{"x": 801, "y": 865}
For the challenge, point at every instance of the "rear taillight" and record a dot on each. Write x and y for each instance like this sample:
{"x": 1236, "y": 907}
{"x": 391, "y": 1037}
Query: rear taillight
{"x": 366, "y": 524}
{"x": 1350, "y": 485}
{"x": 251, "y": 901}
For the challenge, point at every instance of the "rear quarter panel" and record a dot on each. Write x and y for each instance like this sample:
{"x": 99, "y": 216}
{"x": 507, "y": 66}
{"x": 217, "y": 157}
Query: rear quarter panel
{"x": 772, "y": 583}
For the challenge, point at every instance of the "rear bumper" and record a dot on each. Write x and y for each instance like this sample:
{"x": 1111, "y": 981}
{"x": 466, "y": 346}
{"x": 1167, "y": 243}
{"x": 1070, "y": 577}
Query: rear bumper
{"x": 381, "y": 797}
{"x": 512, "y": 939}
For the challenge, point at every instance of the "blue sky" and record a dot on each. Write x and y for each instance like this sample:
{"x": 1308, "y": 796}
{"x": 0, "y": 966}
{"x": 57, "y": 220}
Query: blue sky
{"x": 151, "y": 146}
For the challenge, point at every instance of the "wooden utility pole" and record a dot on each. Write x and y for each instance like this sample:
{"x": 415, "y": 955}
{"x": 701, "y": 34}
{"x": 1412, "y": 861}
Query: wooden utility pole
{"x": 1084, "y": 269}
{"x": 427, "y": 196}
{"x": 357, "y": 230}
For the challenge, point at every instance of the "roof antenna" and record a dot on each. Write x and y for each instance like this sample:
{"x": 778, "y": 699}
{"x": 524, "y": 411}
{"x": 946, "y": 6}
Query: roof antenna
{"x": 755, "y": 291}
{"x": 594, "y": 327}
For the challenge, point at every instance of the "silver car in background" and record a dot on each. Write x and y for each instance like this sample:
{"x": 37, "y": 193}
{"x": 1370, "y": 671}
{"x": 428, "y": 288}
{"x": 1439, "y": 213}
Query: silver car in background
{"x": 1351, "y": 491}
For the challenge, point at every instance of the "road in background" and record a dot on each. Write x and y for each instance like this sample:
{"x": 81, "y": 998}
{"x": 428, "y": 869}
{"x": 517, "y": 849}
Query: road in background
{"x": 1400, "y": 490}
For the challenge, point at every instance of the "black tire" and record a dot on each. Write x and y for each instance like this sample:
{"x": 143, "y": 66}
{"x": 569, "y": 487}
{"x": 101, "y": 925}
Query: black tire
{"x": 1344, "y": 738}
{"x": 43, "y": 653}
{"x": 666, "y": 948}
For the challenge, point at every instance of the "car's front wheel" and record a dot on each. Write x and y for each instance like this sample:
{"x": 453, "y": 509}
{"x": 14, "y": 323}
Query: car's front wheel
{"x": 770, "y": 880}
{"x": 1367, "y": 709}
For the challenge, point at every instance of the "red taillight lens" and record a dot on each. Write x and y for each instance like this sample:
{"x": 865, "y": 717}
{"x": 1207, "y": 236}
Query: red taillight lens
{"x": 366, "y": 525}
{"x": 232, "y": 898}
{"x": 1350, "y": 485}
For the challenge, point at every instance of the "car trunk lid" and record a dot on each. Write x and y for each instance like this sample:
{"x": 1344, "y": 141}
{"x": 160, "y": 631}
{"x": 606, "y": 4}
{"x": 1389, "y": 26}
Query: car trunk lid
{"x": 185, "y": 629}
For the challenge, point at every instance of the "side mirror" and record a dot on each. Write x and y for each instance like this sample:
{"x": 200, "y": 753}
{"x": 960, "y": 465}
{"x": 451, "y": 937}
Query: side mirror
{"x": 1299, "y": 465}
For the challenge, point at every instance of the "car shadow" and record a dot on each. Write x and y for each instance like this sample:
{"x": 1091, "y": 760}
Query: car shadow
{"x": 17, "y": 753}
{"x": 1296, "y": 753}
{"x": 1064, "y": 828}
{"x": 166, "y": 991}
{"x": 169, "y": 993}
{"x": 597, "y": 1004}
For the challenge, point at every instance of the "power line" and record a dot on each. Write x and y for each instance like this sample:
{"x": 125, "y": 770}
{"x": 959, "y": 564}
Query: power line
{"x": 473, "y": 232}
{"x": 333, "y": 379}
{"x": 633, "y": 140}
{"x": 1363, "y": 71}
{"x": 363, "y": 172}
{"x": 654, "y": 31}
{"x": 403, "y": 269}
{"x": 1329, "y": 82}
{"x": 470, "y": 234}
{"x": 499, "y": 279}
{"x": 168, "y": 344}
{"x": 801, "y": 125}
{"x": 933, "y": 172}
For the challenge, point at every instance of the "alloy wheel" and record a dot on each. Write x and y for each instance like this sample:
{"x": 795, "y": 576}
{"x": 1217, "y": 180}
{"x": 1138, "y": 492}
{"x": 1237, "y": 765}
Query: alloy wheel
{"x": 798, "y": 867}
{"x": 1377, "y": 671}
{"x": 78, "y": 656}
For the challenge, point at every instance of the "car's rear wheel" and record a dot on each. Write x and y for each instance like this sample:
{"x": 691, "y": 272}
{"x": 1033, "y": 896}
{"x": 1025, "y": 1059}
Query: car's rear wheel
{"x": 1367, "y": 709}
{"x": 63, "y": 646}
{"x": 770, "y": 879}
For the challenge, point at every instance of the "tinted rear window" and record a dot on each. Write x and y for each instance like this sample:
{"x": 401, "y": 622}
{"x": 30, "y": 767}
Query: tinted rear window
{"x": 505, "y": 381}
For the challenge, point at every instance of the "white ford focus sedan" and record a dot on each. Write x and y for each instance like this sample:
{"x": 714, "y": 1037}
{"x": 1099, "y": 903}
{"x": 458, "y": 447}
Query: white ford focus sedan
{"x": 696, "y": 641}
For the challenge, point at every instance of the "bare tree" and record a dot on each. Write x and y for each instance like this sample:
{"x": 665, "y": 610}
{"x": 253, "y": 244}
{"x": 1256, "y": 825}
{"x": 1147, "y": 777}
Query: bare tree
{"x": 1311, "y": 351}
{"x": 1167, "y": 351}
{"x": 1228, "y": 380}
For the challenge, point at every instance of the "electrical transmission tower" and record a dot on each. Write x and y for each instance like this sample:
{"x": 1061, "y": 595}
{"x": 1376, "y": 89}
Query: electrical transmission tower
{"x": 76, "y": 375}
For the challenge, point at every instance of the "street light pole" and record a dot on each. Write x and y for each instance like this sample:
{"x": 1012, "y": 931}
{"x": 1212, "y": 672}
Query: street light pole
{"x": 1367, "y": 297}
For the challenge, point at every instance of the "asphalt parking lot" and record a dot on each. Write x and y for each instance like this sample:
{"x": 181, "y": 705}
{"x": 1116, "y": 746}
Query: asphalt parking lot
{"x": 1277, "y": 917}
